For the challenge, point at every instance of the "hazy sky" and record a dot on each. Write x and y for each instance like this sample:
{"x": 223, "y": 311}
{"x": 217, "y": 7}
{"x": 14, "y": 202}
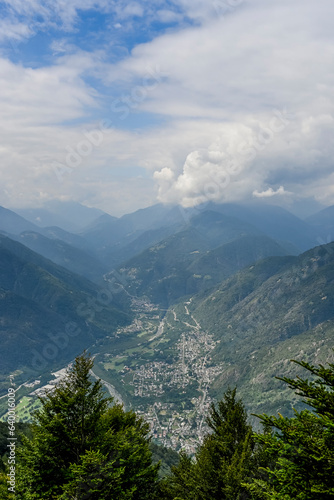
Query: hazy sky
{"x": 120, "y": 104}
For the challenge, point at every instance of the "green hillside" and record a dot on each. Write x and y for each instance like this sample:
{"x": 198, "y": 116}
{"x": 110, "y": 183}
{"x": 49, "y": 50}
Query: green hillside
{"x": 278, "y": 309}
{"x": 268, "y": 308}
{"x": 40, "y": 301}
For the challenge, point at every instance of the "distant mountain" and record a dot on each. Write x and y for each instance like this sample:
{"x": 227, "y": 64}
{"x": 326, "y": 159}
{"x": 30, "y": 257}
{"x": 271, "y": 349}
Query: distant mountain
{"x": 69, "y": 215}
{"x": 121, "y": 252}
{"x": 210, "y": 248}
{"x": 227, "y": 259}
{"x": 100, "y": 225}
{"x": 323, "y": 221}
{"x": 107, "y": 236}
{"x": 56, "y": 233}
{"x": 12, "y": 223}
{"x": 276, "y": 222}
{"x": 118, "y": 240}
{"x": 64, "y": 255}
{"x": 40, "y": 301}
{"x": 62, "y": 247}
{"x": 42, "y": 217}
{"x": 107, "y": 230}
{"x": 153, "y": 217}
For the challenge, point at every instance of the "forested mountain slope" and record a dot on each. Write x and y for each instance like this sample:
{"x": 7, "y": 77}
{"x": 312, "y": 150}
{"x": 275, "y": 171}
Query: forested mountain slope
{"x": 268, "y": 313}
{"x": 38, "y": 300}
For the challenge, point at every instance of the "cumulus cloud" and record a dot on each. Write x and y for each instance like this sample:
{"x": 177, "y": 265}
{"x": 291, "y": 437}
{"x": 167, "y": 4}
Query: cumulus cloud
{"x": 166, "y": 174}
{"x": 257, "y": 59}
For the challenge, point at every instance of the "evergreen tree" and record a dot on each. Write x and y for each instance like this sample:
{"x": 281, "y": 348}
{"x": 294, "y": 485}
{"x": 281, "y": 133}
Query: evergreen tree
{"x": 301, "y": 448}
{"x": 224, "y": 460}
{"x": 82, "y": 447}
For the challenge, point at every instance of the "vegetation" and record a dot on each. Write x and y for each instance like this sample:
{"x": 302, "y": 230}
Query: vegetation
{"x": 301, "y": 448}
{"x": 166, "y": 457}
{"x": 241, "y": 332}
{"x": 37, "y": 296}
{"x": 81, "y": 446}
{"x": 223, "y": 461}
{"x": 292, "y": 459}
{"x": 21, "y": 429}
{"x": 277, "y": 309}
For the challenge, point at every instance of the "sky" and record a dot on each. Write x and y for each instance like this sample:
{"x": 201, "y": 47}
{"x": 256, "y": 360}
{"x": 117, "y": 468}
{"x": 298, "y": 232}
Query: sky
{"x": 120, "y": 104}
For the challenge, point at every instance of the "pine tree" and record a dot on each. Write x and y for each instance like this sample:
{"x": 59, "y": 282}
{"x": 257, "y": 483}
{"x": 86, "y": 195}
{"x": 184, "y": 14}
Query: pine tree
{"x": 82, "y": 447}
{"x": 301, "y": 449}
{"x": 224, "y": 460}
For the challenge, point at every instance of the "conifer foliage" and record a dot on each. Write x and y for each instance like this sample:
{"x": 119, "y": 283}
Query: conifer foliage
{"x": 301, "y": 449}
{"x": 82, "y": 447}
{"x": 223, "y": 461}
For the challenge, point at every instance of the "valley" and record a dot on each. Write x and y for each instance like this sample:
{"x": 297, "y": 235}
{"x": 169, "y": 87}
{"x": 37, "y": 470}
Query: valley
{"x": 162, "y": 369}
{"x": 171, "y": 390}
{"x": 214, "y": 304}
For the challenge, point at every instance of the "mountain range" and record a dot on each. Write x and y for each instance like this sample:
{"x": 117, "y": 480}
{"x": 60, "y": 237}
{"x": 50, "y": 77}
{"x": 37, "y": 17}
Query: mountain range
{"x": 197, "y": 300}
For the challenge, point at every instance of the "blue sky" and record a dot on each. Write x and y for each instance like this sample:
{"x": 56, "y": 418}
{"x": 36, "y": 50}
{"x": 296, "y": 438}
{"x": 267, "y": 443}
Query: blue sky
{"x": 119, "y": 104}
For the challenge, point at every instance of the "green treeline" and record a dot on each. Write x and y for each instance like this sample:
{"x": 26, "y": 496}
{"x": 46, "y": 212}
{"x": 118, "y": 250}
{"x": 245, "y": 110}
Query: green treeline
{"x": 82, "y": 446}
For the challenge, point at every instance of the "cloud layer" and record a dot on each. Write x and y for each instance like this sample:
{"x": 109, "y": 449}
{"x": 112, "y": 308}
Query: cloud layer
{"x": 221, "y": 100}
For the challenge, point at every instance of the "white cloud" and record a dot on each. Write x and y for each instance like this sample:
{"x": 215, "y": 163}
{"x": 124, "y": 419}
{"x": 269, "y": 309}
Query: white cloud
{"x": 245, "y": 96}
{"x": 270, "y": 192}
{"x": 168, "y": 16}
{"x": 166, "y": 174}
{"x": 44, "y": 95}
{"x": 235, "y": 72}
{"x": 15, "y": 31}
{"x": 130, "y": 9}
{"x": 40, "y": 14}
